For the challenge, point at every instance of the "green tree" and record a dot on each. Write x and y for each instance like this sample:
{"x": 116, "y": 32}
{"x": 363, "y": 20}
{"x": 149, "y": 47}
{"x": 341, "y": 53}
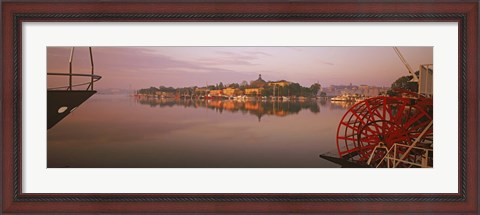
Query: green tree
{"x": 234, "y": 85}
{"x": 295, "y": 89}
{"x": 315, "y": 88}
{"x": 151, "y": 90}
{"x": 404, "y": 83}
{"x": 166, "y": 89}
{"x": 267, "y": 91}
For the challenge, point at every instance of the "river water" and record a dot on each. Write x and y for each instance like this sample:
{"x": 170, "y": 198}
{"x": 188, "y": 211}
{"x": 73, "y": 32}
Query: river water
{"x": 120, "y": 131}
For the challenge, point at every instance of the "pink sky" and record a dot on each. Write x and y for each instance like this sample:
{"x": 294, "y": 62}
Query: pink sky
{"x": 142, "y": 67}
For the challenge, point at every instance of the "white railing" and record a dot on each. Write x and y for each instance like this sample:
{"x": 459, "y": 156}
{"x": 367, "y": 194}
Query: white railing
{"x": 392, "y": 158}
{"x": 396, "y": 156}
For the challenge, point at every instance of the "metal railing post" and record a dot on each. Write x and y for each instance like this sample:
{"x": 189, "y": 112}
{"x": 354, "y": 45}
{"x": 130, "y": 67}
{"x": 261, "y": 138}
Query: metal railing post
{"x": 395, "y": 155}
{"x": 415, "y": 142}
{"x": 91, "y": 61}
{"x": 70, "y": 62}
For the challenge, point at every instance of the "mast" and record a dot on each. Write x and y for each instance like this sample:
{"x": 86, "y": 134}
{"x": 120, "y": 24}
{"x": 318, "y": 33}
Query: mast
{"x": 409, "y": 68}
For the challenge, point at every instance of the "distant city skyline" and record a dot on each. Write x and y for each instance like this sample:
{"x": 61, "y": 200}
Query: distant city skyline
{"x": 142, "y": 67}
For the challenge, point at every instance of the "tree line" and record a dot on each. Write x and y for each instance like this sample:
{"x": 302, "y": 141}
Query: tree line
{"x": 293, "y": 89}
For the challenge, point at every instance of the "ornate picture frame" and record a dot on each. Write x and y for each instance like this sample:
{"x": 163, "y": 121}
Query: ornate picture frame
{"x": 16, "y": 13}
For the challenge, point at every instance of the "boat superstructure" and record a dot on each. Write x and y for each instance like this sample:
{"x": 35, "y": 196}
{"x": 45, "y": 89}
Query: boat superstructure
{"x": 62, "y": 100}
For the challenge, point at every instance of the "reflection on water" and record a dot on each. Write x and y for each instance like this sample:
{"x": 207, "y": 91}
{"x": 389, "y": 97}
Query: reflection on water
{"x": 126, "y": 132}
{"x": 257, "y": 108}
{"x": 341, "y": 105}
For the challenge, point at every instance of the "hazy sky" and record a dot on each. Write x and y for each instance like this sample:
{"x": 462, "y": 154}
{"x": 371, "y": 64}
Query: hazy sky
{"x": 142, "y": 67}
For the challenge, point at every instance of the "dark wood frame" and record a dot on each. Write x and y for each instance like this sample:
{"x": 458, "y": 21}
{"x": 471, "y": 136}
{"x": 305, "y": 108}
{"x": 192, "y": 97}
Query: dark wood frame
{"x": 15, "y": 13}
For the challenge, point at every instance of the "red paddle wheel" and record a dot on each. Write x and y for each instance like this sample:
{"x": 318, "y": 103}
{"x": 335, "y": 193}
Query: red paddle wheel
{"x": 370, "y": 128}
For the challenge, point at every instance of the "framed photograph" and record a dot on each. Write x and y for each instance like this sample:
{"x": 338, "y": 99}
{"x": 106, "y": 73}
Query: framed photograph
{"x": 280, "y": 107}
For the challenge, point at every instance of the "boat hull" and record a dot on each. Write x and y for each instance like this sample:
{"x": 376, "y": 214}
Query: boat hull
{"x": 60, "y": 103}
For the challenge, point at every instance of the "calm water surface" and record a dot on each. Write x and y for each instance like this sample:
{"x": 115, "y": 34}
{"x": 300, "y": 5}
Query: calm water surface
{"x": 127, "y": 132}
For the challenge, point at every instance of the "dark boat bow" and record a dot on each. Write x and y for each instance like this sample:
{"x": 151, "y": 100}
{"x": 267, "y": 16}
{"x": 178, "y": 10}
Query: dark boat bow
{"x": 63, "y": 100}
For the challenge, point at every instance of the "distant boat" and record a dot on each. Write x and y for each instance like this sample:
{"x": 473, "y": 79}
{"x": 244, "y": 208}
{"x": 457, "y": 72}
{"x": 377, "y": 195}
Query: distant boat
{"x": 359, "y": 99}
{"x": 348, "y": 98}
{"x": 340, "y": 98}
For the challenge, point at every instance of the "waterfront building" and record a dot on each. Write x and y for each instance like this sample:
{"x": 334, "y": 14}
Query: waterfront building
{"x": 215, "y": 92}
{"x": 256, "y": 86}
{"x": 201, "y": 91}
{"x": 253, "y": 91}
{"x": 164, "y": 94}
{"x": 281, "y": 83}
{"x": 230, "y": 91}
{"x": 259, "y": 83}
{"x": 364, "y": 90}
